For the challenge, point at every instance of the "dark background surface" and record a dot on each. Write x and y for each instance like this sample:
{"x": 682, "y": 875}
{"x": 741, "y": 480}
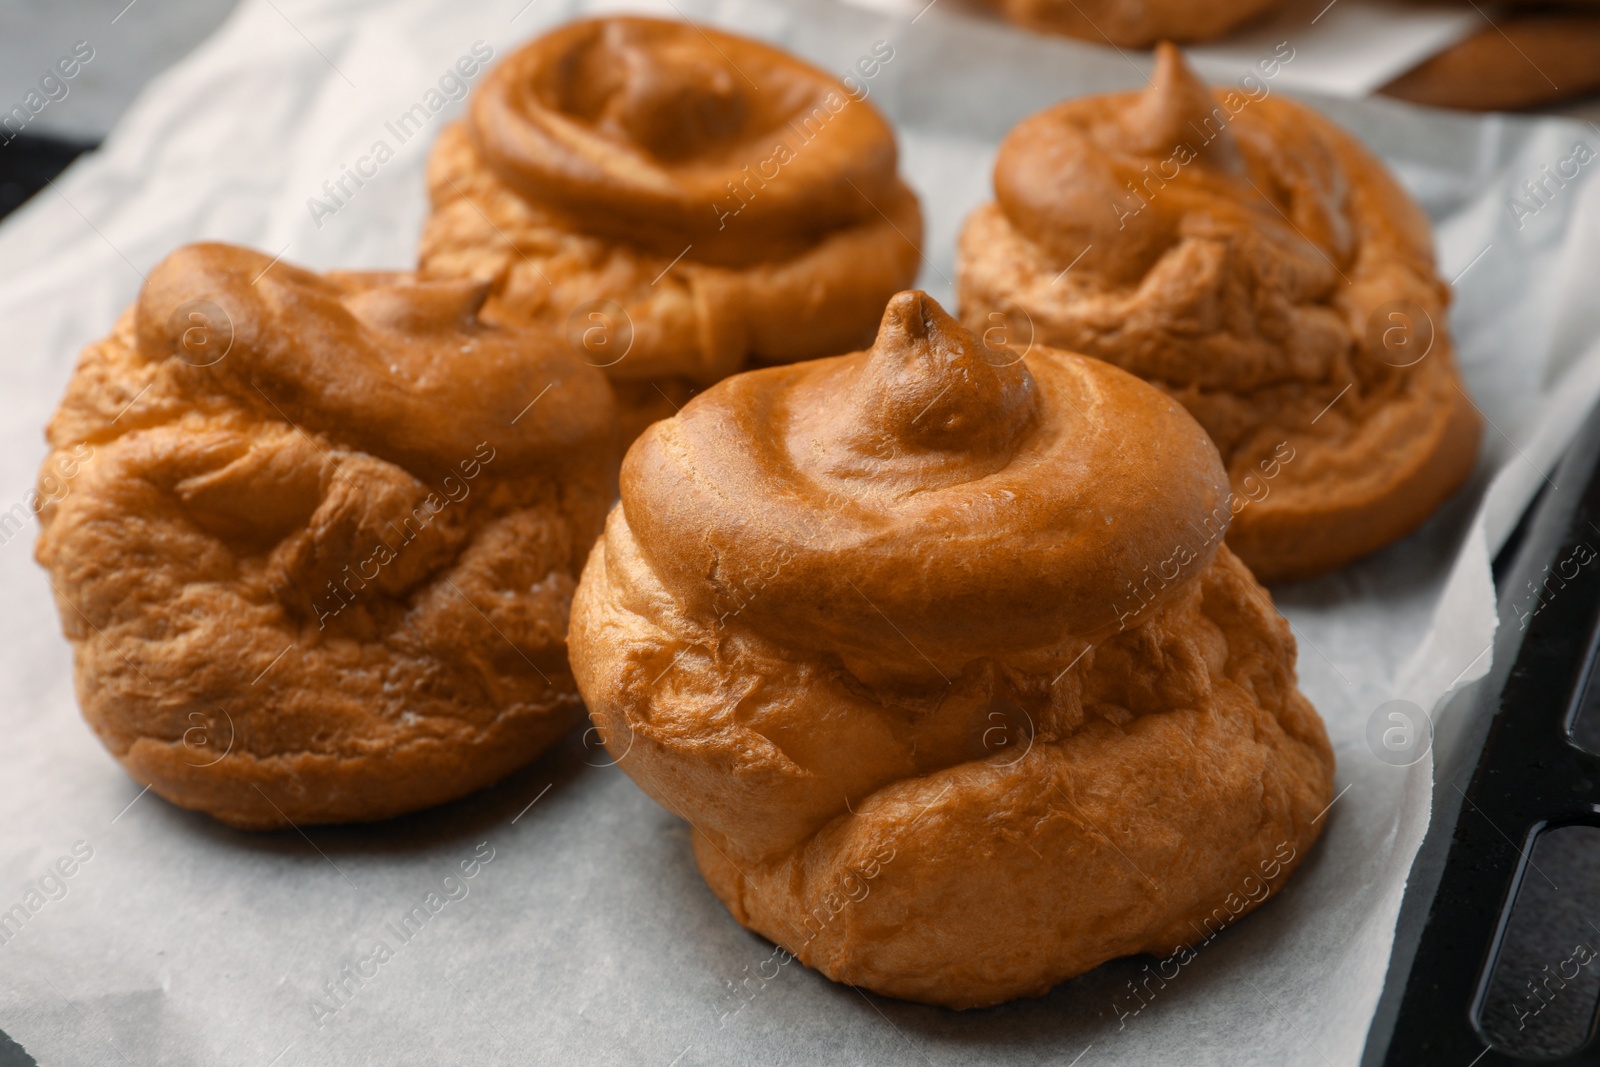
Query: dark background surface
{"x": 27, "y": 164}
{"x": 1505, "y": 889}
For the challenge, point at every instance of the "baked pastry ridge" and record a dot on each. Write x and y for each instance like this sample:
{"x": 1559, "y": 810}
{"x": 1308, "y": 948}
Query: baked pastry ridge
{"x": 1534, "y": 55}
{"x": 941, "y": 654}
{"x": 1253, "y": 260}
{"x": 1135, "y": 23}
{"x": 679, "y": 201}
{"x": 317, "y": 559}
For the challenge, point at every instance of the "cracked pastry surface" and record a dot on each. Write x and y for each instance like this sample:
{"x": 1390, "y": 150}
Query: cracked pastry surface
{"x": 677, "y": 201}
{"x": 952, "y": 675}
{"x": 1253, "y": 260}
{"x": 317, "y": 556}
{"x": 1135, "y": 23}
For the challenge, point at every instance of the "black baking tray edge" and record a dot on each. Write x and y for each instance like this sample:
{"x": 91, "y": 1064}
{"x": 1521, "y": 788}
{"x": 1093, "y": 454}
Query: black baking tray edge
{"x": 28, "y": 163}
{"x": 1505, "y": 768}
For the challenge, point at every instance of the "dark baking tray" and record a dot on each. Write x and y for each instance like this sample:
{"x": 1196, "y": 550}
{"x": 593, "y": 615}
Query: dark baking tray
{"x": 1494, "y": 958}
{"x": 27, "y": 163}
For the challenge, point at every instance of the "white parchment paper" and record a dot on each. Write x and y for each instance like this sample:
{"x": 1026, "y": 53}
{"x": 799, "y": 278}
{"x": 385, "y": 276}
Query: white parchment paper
{"x": 1347, "y": 48}
{"x": 586, "y": 936}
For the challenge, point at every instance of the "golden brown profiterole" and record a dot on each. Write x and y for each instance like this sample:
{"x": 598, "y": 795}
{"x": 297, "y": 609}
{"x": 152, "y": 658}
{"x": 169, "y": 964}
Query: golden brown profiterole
{"x": 679, "y": 201}
{"x": 1252, "y": 260}
{"x": 320, "y": 538}
{"x": 941, "y": 653}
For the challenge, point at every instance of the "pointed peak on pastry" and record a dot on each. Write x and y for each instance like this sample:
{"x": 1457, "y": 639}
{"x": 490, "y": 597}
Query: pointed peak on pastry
{"x": 937, "y": 388}
{"x": 1177, "y": 108}
{"x": 912, "y": 316}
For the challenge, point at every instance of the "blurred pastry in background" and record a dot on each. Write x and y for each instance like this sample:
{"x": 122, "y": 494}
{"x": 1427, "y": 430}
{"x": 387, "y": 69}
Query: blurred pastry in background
{"x": 1531, "y": 56}
{"x": 322, "y": 537}
{"x": 679, "y": 202}
{"x": 942, "y": 655}
{"x": 1135, "y": 23}
{"x": 1254, "y": 261}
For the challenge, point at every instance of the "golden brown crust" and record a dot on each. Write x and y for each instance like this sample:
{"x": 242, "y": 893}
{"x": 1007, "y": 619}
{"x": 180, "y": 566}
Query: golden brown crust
{"x": 1255, "y": 262}
{"x": 1135, "y": 23}
{"x": 619, "y": 181}
{"x": 318, "y": 553}
{"x": 1034, "y": 715}
{"x": 1524, "y": 60}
